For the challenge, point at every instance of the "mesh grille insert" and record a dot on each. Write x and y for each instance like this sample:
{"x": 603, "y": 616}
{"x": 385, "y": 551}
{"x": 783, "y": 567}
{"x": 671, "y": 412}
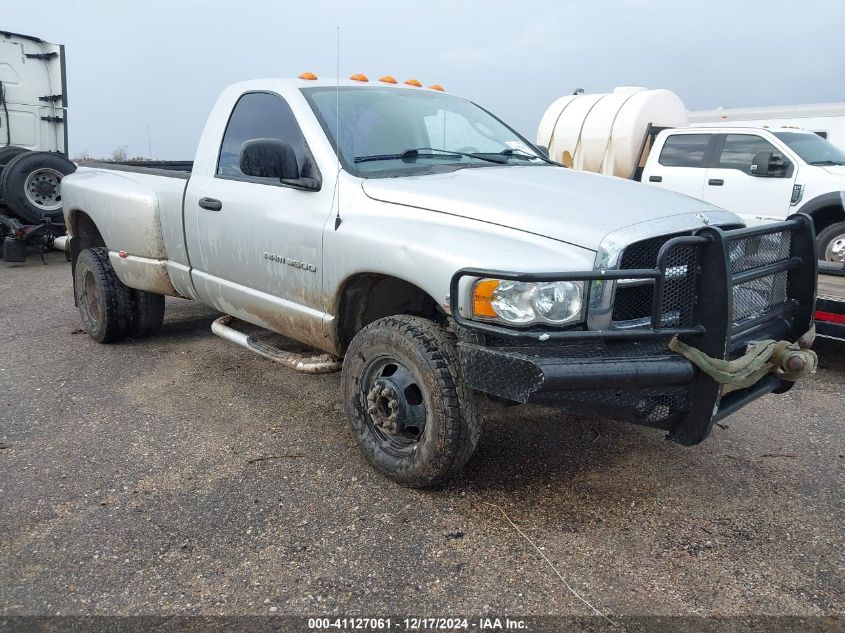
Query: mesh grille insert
{"x": 633, "y": 301}
{"x": 752, "y": 298}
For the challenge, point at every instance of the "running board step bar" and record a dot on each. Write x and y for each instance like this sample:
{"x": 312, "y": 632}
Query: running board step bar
{"x": 307, "y": 364}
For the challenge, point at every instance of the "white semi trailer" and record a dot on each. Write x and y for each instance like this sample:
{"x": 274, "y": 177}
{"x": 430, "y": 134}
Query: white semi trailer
{"x": 33, "y": 142}
{"x": 825, "y": 119}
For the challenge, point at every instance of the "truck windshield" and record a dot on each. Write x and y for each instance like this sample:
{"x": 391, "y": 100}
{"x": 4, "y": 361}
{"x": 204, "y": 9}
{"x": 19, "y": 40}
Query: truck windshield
{"x": 397, "y": 131}
{"x": 812, "y": 148}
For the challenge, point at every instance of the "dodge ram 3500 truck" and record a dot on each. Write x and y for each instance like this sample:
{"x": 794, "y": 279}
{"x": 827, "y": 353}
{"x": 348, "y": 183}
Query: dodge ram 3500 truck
{"x": 442, "y": 256}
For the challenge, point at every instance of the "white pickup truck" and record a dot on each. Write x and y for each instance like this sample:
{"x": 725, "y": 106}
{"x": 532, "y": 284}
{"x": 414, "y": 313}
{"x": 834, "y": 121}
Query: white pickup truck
{"x": 762, "y": 175}
{"x": 442, "y": 256}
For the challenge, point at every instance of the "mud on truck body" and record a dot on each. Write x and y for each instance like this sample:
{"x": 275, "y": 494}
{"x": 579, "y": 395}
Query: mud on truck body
{"x": 443, "y": 257}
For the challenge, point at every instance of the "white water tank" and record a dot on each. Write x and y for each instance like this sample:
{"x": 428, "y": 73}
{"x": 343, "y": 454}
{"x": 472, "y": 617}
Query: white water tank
{"x": 603, "y": 133}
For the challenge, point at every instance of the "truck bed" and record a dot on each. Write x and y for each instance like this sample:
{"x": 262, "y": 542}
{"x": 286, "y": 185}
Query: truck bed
{"x": 170, "y": 168}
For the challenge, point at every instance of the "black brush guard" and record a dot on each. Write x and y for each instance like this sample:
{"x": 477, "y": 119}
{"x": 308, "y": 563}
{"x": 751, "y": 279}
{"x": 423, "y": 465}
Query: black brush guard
{"x": 630, "y": 374}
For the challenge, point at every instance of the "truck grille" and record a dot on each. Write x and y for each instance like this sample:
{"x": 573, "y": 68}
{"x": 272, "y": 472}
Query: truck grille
{"x": 633, "y": 299}
{"x": 632, "y": 305}
{"x": 753, "y": 298}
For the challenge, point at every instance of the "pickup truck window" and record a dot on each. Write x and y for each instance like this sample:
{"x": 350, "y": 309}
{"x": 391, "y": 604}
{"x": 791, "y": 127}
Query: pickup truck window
{"x": 812, "y": 148}
{"x": 739, "y": 149}
{"x": 260, "y": 115}
{"x": 378, "y": 125}
{"x": 684, "y": 150}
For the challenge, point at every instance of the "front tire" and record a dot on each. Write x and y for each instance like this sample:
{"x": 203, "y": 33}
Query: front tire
{"x": 831, "y": 243}
{"x": 104, "y": 302}
{"x": 412, "y": 416}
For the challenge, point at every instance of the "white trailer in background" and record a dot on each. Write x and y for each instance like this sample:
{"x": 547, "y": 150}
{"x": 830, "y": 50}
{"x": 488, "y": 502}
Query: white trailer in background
{"x": 33, "y": 143}
{"x": 825, "y": 119}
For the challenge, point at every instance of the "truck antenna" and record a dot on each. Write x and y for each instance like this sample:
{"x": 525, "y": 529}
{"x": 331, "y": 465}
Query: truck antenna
{"x": 337, "y": 131}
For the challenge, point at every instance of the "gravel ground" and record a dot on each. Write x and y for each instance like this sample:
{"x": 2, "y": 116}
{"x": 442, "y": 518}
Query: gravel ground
{"x": 183, "y": 475}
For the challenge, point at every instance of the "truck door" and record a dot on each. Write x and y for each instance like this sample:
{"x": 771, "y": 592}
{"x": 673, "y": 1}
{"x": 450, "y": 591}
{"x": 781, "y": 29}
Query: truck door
{"x": 679, "y": 162}
{"x": 733, "y": 185}
{"x": 254, "y": 243}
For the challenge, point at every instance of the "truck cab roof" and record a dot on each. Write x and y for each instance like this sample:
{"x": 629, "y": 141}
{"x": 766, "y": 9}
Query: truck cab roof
{"x": 735, "y": 130}
{"x": 296, "y": 83}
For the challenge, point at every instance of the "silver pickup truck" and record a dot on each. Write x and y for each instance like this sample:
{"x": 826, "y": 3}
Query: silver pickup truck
{"x": 442, "y": 256}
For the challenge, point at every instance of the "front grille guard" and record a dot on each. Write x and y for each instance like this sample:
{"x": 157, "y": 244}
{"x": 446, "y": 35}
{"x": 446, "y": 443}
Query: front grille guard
{"x": 714, "y": 306}
{"x": 714, "y": 331}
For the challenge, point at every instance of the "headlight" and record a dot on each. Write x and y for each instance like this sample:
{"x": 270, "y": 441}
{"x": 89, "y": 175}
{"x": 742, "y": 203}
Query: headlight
{"x": 525, "y": 303}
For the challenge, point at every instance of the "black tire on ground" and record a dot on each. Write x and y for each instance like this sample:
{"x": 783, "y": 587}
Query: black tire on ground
{"x": 8, "y": 152}
{"x": 831, "y": 243}
{"x": 104, "y": 302}
{"x": 412, "y": 415}
{"x": 29, "y": 185}
{"x": 147, "y": 313}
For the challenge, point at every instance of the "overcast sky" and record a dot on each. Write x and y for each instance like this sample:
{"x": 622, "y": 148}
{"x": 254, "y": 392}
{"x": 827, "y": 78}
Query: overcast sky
{"x": 162, "y": 64}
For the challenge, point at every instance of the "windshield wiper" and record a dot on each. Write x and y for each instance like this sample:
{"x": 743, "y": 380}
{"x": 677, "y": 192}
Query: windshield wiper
{"x": 827, "y": 162}
{"x": 516, "y": 153}
{"x": 521, "y": 153}
{"x": 418, "y": 153}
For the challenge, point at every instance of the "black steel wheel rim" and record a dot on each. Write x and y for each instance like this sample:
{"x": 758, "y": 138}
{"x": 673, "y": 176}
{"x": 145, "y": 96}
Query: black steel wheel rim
{"x": 394, "y": 405}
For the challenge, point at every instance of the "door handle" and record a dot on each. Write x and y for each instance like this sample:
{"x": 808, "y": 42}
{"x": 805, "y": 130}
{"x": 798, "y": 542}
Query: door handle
{"x": 716, "y": 182}
{"x": 210, "y": 204}
{"x": 655, "y": 178}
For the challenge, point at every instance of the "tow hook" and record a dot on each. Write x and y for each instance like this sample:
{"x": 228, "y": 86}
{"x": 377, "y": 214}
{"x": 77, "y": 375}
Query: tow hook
{"x": 788, "y": 361}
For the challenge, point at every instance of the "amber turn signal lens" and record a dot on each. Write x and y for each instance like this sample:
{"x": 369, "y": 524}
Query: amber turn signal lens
{"x": 359, "y": 77}
{"x": 437, "y": 87}
{"x": 482, "y": 298}
{"x": 413, "y": 82}
{"x": 388, "y": 79}
{"x": 308, "y": 76}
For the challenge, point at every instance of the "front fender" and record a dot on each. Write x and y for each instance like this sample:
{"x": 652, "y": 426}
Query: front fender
{"x": 826, "y": 200}
{"x": 425, "y": 248}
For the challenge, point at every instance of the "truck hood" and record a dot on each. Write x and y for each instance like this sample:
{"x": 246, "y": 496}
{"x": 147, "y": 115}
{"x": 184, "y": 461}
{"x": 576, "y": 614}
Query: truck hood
{"x": 836, "y": 170}
{"x": 574, "y": 207}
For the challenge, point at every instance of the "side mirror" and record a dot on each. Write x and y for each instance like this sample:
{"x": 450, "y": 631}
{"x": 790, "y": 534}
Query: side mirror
{"x": 269, "y": 158}
{"x": 761, "y": 164}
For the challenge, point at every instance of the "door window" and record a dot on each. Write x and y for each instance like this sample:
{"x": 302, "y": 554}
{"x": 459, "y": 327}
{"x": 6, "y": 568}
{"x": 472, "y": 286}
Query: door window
{"x": 261, "y": 115}
{"x": 739, "y": 149}
{"x": 684, "y": 150}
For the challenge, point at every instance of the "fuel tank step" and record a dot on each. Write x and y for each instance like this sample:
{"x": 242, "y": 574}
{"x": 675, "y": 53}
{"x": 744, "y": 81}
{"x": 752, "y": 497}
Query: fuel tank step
{"x": 317, "y": 363}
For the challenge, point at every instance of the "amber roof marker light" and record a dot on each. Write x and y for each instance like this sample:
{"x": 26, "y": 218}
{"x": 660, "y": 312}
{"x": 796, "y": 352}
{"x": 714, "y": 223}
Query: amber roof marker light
{"x": 437, "y": 87}
{"x": 308, "y": 76}
{"x": 413, "y": 82}
{"x": 359, "y": 77}
{"x": 387, "y": 79}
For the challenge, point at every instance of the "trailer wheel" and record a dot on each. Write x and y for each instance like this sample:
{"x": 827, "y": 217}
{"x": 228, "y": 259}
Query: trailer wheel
{"x": 8, "y": 153}
{"x": 30, "y": 185}
{"x": 831, "y": 243}
{"x": 147, "y": 313}
{"x": 104, "y": 302}
{"x": 413, "y": 417}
